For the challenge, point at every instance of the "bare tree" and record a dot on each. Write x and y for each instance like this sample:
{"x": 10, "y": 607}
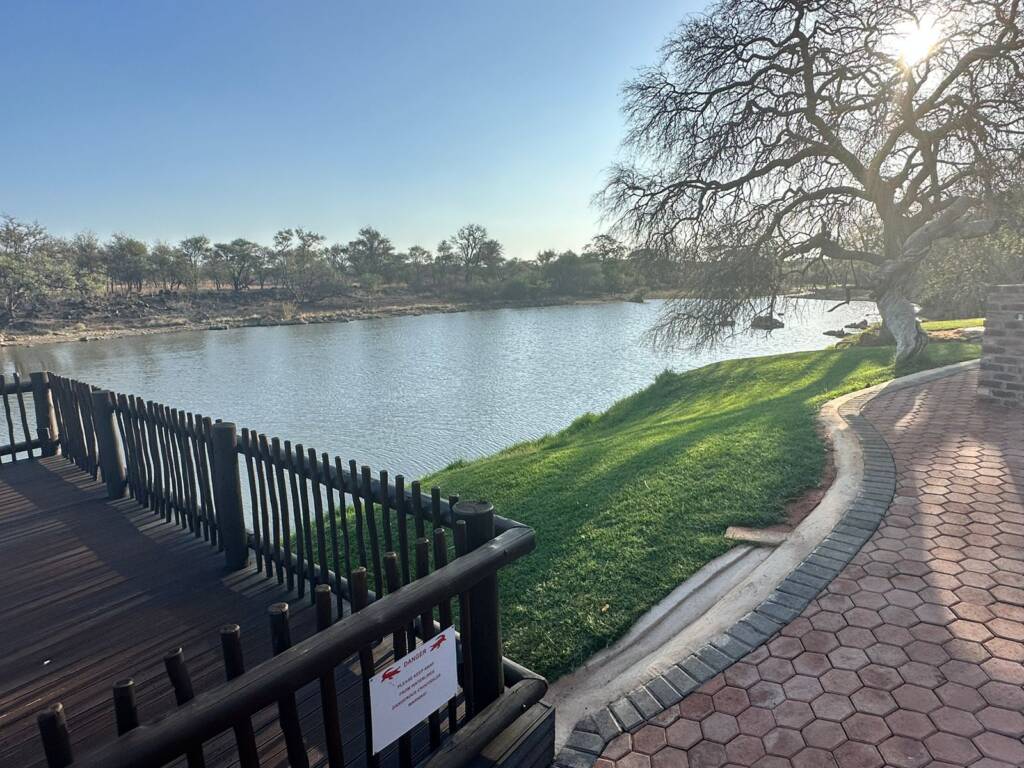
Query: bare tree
{"x": 773, "y": 130}
{"x": 474, "y": 249}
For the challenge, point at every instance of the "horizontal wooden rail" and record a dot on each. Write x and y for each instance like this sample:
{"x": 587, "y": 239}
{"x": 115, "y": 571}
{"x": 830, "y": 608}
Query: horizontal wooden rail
{"x": 24, "y": 446}
{"x": 14, "y": 387}
{"x": 514, "y": 672}
{"x": 465, "y": 745}
{"x": 20, "y": 438}
{"x": 267, "y": 684}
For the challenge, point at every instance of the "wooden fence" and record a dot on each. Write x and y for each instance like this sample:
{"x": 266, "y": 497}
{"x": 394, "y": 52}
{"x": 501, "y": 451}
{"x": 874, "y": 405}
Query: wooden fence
{"x": 21, "y": 444}
{"x": 390, "y": 559}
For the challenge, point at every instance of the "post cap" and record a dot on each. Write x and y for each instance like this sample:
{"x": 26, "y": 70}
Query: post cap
{"x": 472, "y": 508}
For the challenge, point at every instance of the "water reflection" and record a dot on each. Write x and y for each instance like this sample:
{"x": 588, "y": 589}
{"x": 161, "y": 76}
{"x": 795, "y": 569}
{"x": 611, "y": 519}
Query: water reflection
{"x": 411, "y": 394}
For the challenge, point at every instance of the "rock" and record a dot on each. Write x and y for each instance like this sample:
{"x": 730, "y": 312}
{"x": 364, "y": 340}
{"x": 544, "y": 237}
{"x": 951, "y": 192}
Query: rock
{"x": 973, "y": 334}
{"x": 218, "y": 327}
{"x": 859, "y": 326}
{"x": 839, "y": 334}
{"x": 766, "y": 323}
{"x": 726, "y": 323}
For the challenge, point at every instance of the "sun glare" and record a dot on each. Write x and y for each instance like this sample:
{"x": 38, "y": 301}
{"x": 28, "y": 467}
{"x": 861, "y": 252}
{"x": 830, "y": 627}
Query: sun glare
{"x": 916, "y": 40}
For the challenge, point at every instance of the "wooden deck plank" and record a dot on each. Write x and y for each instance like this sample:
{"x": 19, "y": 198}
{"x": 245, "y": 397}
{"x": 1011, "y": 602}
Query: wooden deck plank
{"x": 93, "y": 591}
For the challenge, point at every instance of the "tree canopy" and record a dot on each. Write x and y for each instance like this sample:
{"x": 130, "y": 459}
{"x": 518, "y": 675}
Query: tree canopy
{"x": 851, "y": 136}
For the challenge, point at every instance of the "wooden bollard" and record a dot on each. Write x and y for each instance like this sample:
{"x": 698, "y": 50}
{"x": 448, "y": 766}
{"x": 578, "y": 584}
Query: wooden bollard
{"x": 110, "y": 454}
{"x": 126, "y": 712}
{"x": 53, "y": 728}
{"x": 328, "y": 687}
{"x": 288, "y": 710}
{"x": 227, "y": 495}
{"x": 234, "y": 666}
{"x": 181, "y": 681}
{"x": 487, "y": 675}
{"x": 46, "y": 417}
{"x": 360, "y": 592}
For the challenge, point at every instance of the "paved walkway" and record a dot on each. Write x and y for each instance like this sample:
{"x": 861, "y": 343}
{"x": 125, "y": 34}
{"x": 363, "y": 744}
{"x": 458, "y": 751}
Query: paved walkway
{"x": 913, "y": 656}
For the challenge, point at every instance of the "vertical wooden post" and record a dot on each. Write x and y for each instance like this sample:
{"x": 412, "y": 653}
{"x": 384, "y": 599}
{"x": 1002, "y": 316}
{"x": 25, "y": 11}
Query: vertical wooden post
{"x": 53, "y": 728}
{"x": 111, "y": 456}
{"x": 487, "y": 676}
{"x": 287, "y": 708}
{"x": 46, "y": 418}
{"x": 227, "y": 495}
{"x": 126, "y": 712}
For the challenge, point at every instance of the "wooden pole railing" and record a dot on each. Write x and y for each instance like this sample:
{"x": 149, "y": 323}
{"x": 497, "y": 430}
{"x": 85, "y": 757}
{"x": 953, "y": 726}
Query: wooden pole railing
{"x": 231, "y": 706}
{"x": 317, "y": 524}
{"x": 21, "y": 442}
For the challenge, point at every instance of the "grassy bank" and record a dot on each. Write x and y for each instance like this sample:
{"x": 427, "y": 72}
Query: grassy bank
{"x": 629, "y": 503}
{"x": 952, "y": 325}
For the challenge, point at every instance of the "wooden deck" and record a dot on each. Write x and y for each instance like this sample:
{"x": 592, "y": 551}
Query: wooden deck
{"x": 93, "y": 591}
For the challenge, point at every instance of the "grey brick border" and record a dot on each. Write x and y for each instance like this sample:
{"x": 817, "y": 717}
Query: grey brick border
{"x": 591, "y": 734}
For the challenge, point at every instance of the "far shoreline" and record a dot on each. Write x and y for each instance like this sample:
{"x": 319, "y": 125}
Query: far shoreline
{"x": 83, "y": 332}
{"x": 182, "y": 313}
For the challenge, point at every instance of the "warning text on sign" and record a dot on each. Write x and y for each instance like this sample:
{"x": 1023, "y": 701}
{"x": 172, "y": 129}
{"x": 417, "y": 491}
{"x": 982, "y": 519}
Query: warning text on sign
{"x": 408, "y": 690}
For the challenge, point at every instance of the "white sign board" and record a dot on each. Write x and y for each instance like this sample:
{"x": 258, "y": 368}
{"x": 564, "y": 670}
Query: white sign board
{"x": 413, "y": 687}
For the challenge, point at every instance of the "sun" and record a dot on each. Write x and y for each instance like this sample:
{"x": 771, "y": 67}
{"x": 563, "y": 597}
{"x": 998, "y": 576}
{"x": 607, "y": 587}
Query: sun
{"x": 916, "y": 40}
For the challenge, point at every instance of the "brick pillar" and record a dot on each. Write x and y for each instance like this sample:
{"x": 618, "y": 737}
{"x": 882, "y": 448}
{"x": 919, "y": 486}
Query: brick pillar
{"x": 1002, "y": 356}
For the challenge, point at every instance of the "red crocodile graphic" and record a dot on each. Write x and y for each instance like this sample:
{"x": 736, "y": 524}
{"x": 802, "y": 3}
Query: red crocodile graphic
{"x": 438, "y": 643}
{"x": 393, "y": 672}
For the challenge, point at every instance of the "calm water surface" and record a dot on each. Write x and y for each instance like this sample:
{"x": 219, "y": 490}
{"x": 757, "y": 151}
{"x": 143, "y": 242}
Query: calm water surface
{"x": 412, "y": 394}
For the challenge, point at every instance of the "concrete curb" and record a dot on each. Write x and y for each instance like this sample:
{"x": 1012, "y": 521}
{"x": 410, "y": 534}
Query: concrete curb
{"x": 790, "y": 597}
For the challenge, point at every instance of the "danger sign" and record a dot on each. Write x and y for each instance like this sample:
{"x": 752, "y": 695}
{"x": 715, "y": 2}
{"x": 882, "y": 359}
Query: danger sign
{"x": 411, "y": 688}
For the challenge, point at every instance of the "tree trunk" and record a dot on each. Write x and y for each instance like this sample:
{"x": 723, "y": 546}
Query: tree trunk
{"x": 901, "y": 321}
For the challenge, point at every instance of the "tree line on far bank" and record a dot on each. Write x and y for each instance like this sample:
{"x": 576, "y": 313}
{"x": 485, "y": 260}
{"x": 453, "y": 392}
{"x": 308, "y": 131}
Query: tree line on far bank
{"x": 304, "y": 267}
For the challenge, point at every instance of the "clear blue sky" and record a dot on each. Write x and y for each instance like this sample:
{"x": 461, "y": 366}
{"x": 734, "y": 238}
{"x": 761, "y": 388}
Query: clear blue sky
{"x": 165, "y": 119}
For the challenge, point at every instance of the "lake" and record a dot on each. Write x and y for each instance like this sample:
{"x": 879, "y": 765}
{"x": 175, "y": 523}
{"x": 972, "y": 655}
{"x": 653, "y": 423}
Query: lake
{"x": 412, "y": 394}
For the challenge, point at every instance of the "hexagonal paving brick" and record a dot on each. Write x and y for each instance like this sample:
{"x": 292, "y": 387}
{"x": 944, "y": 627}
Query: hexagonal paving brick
{"x": 744, "y": 750}
{"x": 916, "y": 698}
{"x": 960, "y": 696}
{"x": 952, "y": 749}
{"x": 812, "y": 757}
{"x": 870, "y": 729}
{"x": 903, "y": 722}
{"x": 683, "y": 734}
{"x": 793, "y": 714}
{"x": 755, "y": 721}
{"x": 696, "y": 706}
{"x": 720, "y": 728}
{"x": 634, "y": 760}
{"x": 873, "y": 701}
{"x": 649, "y": 739}
{"x": 670, "y": 757}
{"x": 904, "y": 752}
{"x": 707, "y": 753}
{"x": 840, "y": 681}
{"x": 731, "y": 700}
{"x": 783, "y": 742}
{"x": 802, "y": 687}
{"x": 832, "y": 706}
{"x": 776, "y": 670}
{"x": 766, "y": 694}
{"x": 854, "y": 754}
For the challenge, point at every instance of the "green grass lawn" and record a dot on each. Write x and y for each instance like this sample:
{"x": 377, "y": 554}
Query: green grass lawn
{"x": 629, "y": 503}
{"x": 952, "y": 325}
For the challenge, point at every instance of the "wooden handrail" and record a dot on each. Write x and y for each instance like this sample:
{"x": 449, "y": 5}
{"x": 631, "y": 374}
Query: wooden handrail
{"x": 220, "y": 709}
{"x": 24, "y": 446}
{"x": 13, "y": 388}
